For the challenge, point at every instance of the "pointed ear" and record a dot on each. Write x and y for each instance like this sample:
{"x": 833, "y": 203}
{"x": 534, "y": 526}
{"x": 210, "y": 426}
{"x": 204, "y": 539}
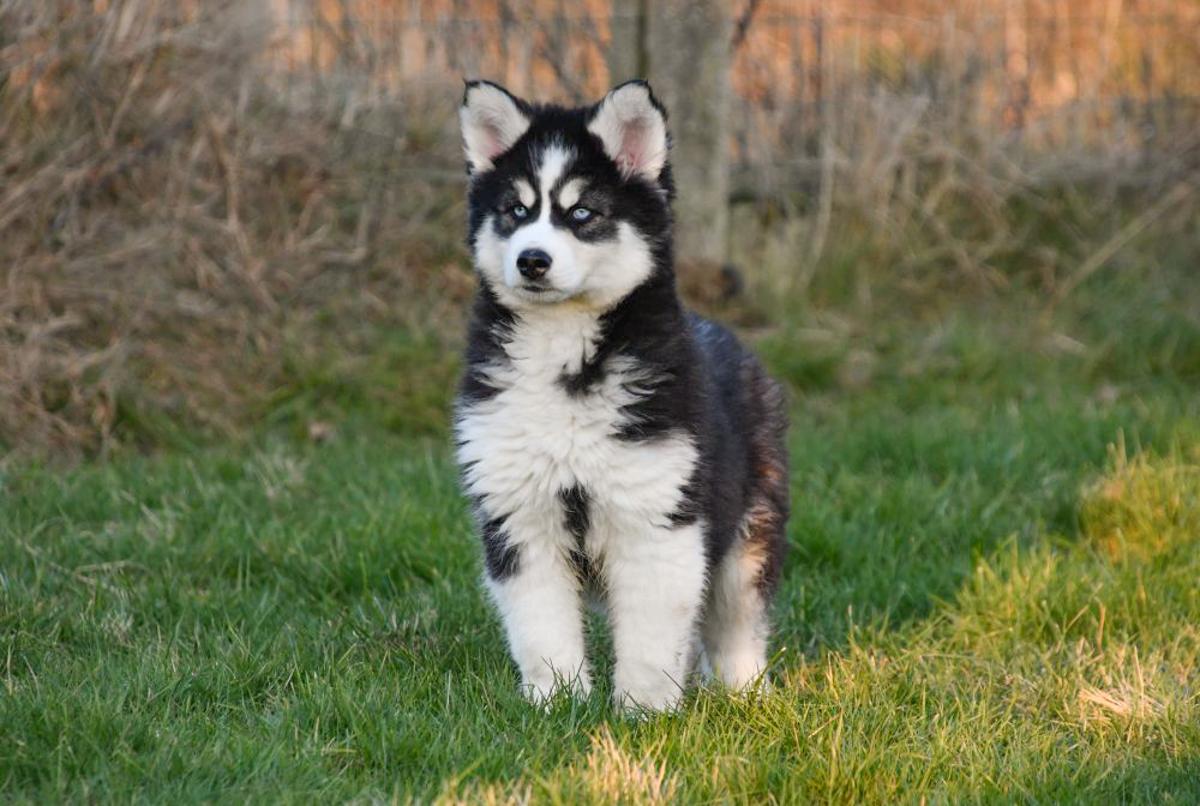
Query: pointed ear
{"x": 632, "y": 124}
{"x": 492, "y": 121}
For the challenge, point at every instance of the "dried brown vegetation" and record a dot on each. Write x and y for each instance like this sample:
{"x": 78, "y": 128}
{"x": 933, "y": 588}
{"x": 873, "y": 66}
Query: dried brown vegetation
{"x": 175, "y": 235}
{"x": 208, "y": 208}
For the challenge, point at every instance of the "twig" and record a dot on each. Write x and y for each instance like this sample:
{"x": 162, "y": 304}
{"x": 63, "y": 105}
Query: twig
{"x": 824, "y": 209}
{"x": 742, "y": 26}
{"x": 1113, "y": 245}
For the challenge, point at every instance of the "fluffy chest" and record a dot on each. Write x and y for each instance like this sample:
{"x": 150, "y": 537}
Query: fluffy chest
{"x": 540, "y": 434}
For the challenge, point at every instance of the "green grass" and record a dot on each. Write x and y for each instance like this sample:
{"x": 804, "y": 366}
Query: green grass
{"x": 992, "y": 595}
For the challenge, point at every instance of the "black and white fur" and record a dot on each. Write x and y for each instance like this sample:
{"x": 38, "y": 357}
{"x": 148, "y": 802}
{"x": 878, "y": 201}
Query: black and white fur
{"x": 609, "y": 441}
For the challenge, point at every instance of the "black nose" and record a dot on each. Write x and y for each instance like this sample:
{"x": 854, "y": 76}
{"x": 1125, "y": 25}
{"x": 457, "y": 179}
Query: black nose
{"x": 533, "y": 263}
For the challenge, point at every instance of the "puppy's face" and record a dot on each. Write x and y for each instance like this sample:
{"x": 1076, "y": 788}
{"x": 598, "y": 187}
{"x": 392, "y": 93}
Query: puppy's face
{"x": 566, "y": 204}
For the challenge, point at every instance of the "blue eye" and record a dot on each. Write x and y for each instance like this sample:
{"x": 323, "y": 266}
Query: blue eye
{"x": 519, "y": 211}
{"x": 581, "y": 213}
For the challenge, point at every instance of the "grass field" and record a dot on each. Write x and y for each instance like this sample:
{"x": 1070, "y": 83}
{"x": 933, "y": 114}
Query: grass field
{"x": 234, "y": 561}
{"x": 992, "y": 593}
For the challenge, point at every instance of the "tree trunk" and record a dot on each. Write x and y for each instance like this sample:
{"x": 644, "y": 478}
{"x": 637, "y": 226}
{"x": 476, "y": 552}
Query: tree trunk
{"x": 627, "y": 46}
{"x": 688, "y": 57}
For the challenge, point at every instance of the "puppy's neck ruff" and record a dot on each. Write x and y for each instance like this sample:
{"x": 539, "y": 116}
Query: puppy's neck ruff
{"x": 554, "y": 339}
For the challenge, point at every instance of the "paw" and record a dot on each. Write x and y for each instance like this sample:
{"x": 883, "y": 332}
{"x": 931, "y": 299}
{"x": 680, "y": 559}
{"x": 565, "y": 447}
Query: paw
{"x": 544, "y": 685}
{"x": 647, "y": 690}
{"x": 744, "y": 672}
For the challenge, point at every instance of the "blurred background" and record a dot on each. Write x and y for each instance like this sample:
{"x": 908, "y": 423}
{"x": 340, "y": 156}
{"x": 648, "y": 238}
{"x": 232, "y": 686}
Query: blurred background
{"x": 219, "y": 217}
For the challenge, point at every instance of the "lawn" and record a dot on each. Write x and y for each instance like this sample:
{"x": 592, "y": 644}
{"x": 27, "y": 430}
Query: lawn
{"x": 992, "y": 595}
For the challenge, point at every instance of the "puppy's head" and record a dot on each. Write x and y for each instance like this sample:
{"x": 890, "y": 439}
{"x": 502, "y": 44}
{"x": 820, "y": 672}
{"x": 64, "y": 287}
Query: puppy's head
{"x": 566, "y": 204}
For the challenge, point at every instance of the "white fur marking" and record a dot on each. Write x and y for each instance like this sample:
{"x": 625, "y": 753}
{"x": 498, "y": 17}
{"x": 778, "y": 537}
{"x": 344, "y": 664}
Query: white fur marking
{"x": 555, "y": 160}
{"x": 525, "y": 193}
{"x": 570, "y": 193}
{"x": 611, "y": 270}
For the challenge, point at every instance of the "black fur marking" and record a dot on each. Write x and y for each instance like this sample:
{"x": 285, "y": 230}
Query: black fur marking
{"x": 501, "y": 558}
{"x": 576, "y": 510}
{"x": 506, "y": 221}
{"x": 602, "y": 226}
{"x": 688, "y": 510}
{"x": 491, "y": 327}
{"x": 580, "y": 383}
{"x": 576, "y": 506}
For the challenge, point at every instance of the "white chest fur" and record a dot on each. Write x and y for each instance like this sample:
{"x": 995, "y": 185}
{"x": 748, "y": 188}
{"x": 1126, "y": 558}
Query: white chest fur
{"x": 525, "y": 445}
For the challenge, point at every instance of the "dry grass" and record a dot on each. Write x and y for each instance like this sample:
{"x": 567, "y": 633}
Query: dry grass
{"x": 190, "y": 248}
{"x": 607, "y": 774}
{"x": 175, "y": 236}
{"x": 907, "y": 198}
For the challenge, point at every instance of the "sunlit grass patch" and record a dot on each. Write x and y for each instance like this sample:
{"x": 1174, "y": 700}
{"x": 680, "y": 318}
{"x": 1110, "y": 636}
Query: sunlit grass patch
{"x": 477, "y": 793}
{"x": 608, "y": 773}
{"x": 1143, "y": 506}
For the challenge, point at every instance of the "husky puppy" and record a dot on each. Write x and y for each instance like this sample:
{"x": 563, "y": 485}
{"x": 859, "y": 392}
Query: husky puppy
{"x": 609, "y": 441}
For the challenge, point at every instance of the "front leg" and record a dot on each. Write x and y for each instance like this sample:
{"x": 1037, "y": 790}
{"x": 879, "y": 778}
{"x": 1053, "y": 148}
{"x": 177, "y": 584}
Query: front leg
{"x": 655, "y": 578}
{"x": 537, "y": 594}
